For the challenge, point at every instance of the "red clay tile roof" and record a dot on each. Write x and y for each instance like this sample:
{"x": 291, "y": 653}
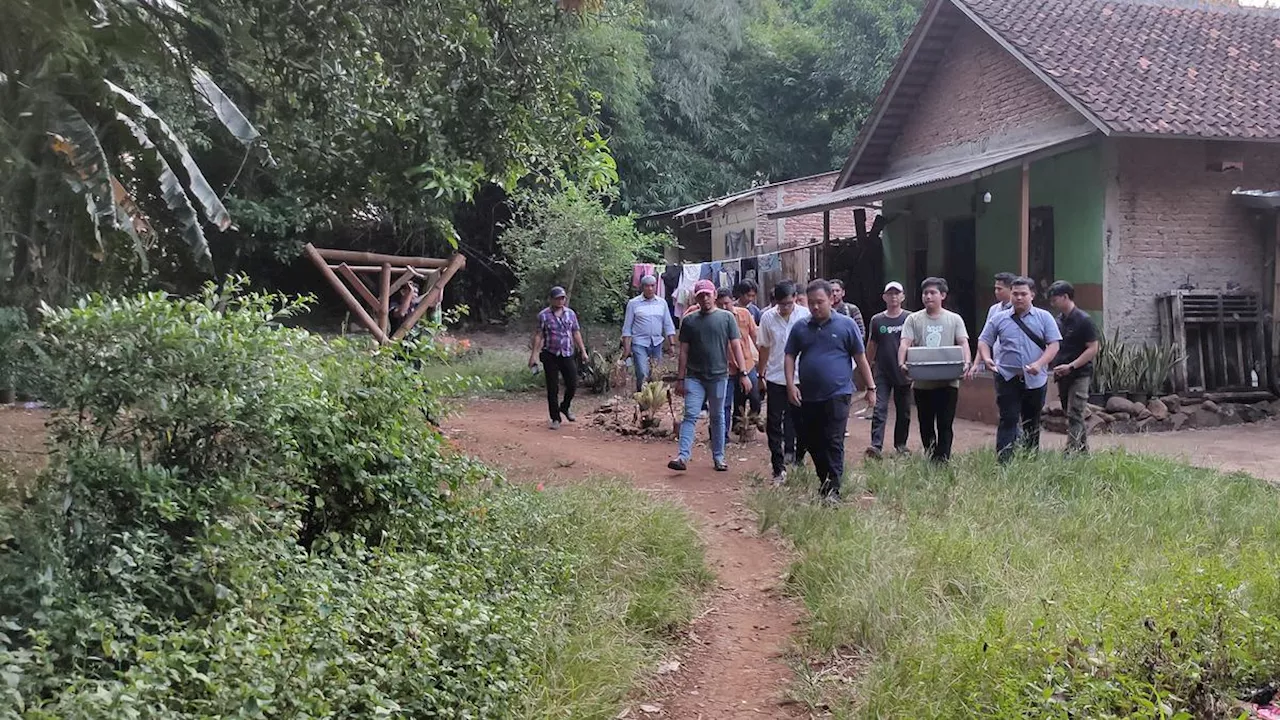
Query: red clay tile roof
{"x": 1151, "y": 66}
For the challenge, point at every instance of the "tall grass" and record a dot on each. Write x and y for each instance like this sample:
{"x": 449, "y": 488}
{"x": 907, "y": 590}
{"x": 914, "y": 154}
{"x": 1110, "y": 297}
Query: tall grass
{"x": 638, "y": 572}
{"x": 1113, "y": 586}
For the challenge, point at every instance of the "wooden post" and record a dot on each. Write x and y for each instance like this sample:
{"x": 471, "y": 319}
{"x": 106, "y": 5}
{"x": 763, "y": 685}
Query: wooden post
{"x": 358, "y": 285}
{"x": 384, "y": 298}
{"x": 433, "y": 296}
{"x": 826, "y": 244}
{"x": 1024, "y": 221}
{"x": 364, "y": 258}
{"x": 352, "y": 304}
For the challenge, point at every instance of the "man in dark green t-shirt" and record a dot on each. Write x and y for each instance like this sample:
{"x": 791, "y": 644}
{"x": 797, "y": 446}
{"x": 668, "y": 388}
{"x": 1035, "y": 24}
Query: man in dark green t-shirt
{"x": 707, "y": 337}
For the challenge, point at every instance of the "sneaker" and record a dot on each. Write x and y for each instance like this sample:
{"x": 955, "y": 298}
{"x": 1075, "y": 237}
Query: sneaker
{"x": 678, "y": 464}
{"x": 721, "y": 466}
{"x": 788, "y": 458}
{"x": 555, "y": 425}
{"x": 570, "y": 416}
{"x": 780, "y": 479}
{"x": 831, "y": 500}
{"x": 902, "y": 452}
{"x": 873, "y": 453}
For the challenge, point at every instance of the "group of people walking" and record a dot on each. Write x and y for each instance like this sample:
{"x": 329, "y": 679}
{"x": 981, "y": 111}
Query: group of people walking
{"x": 804, "y": 358}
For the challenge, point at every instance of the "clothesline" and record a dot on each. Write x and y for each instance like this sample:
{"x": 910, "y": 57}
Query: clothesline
{"x": 675, "y": 282}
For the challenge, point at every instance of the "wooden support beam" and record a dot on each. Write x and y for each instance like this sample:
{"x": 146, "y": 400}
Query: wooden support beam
{"x": 384, "y": 298}
{"x": 352, "y": 304}
{"x": 410, "y": 274}
{"x": 1024, "y": 221}
{"x": 364, "y": 258}
{"x": 360, "y": 269}
{"x": 433, "y": 296}
{"x": 358, "y": 285}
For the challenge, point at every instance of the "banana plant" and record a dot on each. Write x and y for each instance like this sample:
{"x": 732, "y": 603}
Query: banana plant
{"x": 66, "y": 118}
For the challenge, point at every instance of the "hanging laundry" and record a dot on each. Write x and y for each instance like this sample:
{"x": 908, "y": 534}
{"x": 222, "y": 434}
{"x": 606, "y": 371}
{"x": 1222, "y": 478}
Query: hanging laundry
{"x": 711, "y": 270}
{"x": 732, "y": 270}
{"x": 750, "y": 271}
{"x": 689, "y": 276}
{"x": 639, "y": 271}
{"x": 670, "y": 280}
{"x": 657, "y": 272}
{"x": 770, "y": 269}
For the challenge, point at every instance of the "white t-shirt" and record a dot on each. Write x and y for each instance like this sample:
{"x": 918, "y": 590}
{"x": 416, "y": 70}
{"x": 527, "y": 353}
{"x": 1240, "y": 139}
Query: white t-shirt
{"x": 773, "y": 333}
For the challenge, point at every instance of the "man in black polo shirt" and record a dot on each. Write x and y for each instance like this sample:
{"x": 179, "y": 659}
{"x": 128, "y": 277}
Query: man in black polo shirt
{"x": 1074, "y": 364}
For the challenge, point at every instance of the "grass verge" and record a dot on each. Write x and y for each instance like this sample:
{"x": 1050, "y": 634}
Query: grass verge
{"x": 1110, "y": 587}
{"x": 491, "y": 370}
{"x": 636, "y": 569}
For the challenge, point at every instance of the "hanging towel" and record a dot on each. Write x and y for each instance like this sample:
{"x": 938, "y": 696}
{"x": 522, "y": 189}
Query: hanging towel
{"x": 658, "y": 271}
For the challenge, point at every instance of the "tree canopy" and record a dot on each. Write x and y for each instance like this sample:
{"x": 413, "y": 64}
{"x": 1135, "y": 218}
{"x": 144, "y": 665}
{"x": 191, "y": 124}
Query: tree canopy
{"x": 157, "y": 142}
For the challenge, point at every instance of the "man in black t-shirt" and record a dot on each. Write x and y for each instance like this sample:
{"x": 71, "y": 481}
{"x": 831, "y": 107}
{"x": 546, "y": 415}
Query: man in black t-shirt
{"x": 1073, "y": 369}
{"x": 883, "y": 338}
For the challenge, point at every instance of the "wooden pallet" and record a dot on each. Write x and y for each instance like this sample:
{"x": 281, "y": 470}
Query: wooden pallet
{"x": 1220, "y": 337}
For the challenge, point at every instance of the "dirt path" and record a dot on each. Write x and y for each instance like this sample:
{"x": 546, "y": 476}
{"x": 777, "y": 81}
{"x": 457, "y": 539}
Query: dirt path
{"x": 734, "y": 665}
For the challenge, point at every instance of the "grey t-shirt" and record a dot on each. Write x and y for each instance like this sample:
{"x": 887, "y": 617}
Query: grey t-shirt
{"x": 945, "y": 330}
{"x": 708, "y": 336}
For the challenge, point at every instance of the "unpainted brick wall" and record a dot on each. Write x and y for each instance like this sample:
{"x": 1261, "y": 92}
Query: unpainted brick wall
{"x": 1173, "y": 222}
{"x": 978, "y": 90}
{"x": 802, "y": 229}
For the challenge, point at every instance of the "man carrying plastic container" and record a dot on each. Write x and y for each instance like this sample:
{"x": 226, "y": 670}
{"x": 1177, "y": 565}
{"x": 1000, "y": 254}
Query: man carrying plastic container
{"x": 936, "y": 400}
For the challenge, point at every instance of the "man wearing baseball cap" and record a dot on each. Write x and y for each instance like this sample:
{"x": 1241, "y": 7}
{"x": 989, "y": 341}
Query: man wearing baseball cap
{"x": 883, "y": 339}
{"x": 708, "y": 339}
{"x": 554, "y": 341}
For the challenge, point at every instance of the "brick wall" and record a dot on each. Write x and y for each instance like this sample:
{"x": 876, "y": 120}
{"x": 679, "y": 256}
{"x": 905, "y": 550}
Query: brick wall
{"x": 1171, "y": 221}
{"x": 801, "y": 229}
{"x": 978, "y": 90}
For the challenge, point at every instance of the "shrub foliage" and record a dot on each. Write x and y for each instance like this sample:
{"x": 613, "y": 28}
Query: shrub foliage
{"x": 244, "y": 520}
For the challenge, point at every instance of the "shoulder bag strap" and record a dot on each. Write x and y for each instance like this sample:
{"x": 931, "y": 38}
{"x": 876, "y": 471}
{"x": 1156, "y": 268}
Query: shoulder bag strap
{"x": 1039, "y": 341}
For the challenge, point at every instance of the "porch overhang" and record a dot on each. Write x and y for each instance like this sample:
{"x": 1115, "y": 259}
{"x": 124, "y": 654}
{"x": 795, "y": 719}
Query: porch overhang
{"x": 1257, "y": 199}
{"x": 946, "y": 171}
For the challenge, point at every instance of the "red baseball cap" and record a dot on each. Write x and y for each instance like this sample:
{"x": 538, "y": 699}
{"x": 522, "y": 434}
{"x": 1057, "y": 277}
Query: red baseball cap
{"x": 704, "y": 287}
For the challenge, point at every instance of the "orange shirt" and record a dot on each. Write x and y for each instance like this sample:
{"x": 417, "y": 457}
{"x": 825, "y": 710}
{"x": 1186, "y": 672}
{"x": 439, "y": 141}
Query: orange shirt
{"x": 747, "y": 329}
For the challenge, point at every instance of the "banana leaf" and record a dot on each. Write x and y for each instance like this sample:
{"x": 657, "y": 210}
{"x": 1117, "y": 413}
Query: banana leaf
{"x": 175, "y": 197}
{"x": 89, "y": 170}
{"x": 199, "y": 187}
{"x": 229, "y": 114}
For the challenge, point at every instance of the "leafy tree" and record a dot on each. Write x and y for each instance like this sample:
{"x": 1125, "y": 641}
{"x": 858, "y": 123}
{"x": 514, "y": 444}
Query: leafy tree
{"x": 572, "y": 240}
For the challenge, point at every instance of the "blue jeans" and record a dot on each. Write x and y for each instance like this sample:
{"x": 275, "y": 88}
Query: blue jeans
{"x": 642, "y": 359}
{"x": 697, "y": 392}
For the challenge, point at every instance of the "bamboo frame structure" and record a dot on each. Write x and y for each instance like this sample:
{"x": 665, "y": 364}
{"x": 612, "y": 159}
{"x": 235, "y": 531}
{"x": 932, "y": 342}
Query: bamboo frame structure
{"x": 345, "y": 270}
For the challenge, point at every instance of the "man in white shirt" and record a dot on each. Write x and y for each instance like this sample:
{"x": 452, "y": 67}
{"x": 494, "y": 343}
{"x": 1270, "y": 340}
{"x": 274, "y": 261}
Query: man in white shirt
{"x": 646, "y": 326}
{"x": 775, "y": 327}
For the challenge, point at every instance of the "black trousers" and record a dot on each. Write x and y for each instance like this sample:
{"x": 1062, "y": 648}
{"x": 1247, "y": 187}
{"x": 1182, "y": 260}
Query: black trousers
{"x": 1020, "y": 408}
{"x": 901, "y": 395}
{"x": 937, "y": 410}
{"x": 780, "y": 427}
{"x": 558, "y": 367}
{"x": 822, "y": 424}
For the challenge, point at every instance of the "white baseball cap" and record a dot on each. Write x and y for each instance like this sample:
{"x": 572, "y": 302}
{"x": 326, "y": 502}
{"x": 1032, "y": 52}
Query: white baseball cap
{"x": 895, "y": 285}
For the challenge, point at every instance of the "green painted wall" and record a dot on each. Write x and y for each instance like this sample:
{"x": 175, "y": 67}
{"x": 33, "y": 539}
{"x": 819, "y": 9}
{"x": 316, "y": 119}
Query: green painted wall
{"x": 1072, "y": 184}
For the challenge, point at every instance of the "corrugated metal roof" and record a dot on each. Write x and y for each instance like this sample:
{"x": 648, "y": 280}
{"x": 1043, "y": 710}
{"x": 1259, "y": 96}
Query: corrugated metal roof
{"x": 703, "y": 207}
{"x": 949, "y": 171}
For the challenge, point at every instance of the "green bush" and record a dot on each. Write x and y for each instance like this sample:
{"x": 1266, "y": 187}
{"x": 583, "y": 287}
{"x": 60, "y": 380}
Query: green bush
{"x": 1110, "y": 587}
{"x": 242, "y": 520}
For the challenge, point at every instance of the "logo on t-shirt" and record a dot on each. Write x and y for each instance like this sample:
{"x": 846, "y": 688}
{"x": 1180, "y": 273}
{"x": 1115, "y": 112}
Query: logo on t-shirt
{"x": 886, "y": 329}
{"x": 933, "y": 336}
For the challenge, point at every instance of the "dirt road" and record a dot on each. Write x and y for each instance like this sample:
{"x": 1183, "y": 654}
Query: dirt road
{"x": 736, "y": 665}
